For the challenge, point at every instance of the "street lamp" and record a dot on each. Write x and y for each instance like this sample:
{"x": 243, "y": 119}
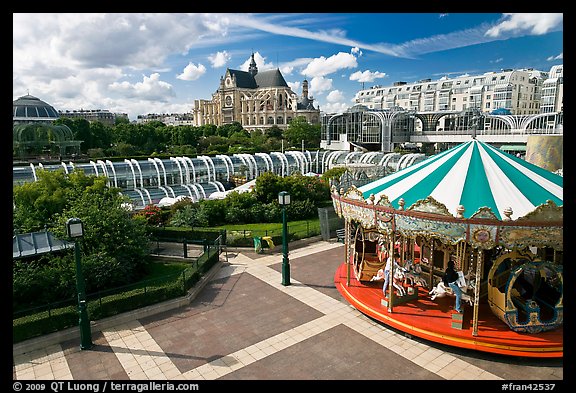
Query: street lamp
{"x": 284, "y": 200}
{"x": 75, "y": 230}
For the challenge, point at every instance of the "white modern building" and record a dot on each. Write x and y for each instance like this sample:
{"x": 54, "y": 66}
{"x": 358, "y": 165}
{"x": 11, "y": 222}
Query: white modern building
{"x": 518, "y": 91}
{"x": 552, "y": 97}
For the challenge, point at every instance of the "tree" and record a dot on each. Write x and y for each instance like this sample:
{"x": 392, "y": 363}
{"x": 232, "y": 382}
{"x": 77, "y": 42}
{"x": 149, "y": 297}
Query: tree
{"x": 274, "y": 132}
{"x": 37, "y": 203}
{"x": 300, "y": 130}
{"x": 115, "y": 244}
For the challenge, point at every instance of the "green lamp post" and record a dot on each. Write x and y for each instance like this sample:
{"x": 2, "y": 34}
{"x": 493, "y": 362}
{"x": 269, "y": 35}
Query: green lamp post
{"x": 75, "y": 230}
{"x": 284, "y": 200}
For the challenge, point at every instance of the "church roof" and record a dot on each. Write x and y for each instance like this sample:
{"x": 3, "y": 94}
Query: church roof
{"x": 270, "y": 78}
{"x": 243, "y": 79}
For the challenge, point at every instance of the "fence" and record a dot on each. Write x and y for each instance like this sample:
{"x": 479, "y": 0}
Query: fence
{"x": 245, "y": 237}
{"x": 53, "y": 317}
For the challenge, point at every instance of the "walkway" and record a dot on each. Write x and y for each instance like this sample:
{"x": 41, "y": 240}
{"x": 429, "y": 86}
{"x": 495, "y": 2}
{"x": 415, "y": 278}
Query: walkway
{"x": 245, "y": 325}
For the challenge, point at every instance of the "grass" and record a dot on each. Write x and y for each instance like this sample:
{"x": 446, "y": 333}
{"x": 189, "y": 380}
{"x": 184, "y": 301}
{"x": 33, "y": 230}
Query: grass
{"x": 162, "y": 269}
{"x": 270, "y": 226}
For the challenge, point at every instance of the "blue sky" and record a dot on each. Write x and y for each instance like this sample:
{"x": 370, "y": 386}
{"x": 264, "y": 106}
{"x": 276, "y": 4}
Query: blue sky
{"x": 160, "y": 63}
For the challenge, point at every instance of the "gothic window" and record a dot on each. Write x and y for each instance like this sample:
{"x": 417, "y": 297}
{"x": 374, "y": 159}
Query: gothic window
{"x": 279, "y": 120}
{"x": 228, "y": 101}
{"x": 270, "y": 120}
{"x": 261, "y": 119}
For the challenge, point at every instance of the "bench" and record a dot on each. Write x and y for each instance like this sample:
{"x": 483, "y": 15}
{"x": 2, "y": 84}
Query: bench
{"x": 341, "y": 235}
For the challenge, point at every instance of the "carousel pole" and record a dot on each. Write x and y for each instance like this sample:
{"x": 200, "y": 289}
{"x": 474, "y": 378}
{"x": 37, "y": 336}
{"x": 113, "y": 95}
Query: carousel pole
{"x": 390, "y": 284}
{"x": 479, "y": 262}
{"x": 431, "y": 262}
{"x": 347, "y": 245}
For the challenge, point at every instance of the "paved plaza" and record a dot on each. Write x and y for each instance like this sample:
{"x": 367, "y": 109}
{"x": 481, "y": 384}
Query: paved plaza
{"x": 245, "y": 325}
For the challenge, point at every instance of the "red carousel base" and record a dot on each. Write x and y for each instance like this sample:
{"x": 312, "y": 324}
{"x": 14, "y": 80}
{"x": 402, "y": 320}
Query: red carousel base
{"x": 434, "y": 321}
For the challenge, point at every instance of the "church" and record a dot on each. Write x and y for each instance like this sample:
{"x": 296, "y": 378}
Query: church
{"x": 257, "y": 100}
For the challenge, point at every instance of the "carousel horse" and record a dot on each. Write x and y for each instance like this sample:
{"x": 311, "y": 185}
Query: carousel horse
{"x": 397, "y": 279}
{"x": 442, "y": 290}
{"x": 412, "y": 275}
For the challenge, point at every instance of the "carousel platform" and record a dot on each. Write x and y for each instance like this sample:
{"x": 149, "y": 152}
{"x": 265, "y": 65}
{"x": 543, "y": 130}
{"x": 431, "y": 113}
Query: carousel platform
{"x": 433, "y": 321}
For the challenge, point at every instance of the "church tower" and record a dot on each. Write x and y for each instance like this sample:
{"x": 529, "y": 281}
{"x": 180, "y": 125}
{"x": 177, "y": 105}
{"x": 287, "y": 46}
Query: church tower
{"x": 253, "y": 69}
{"x": 305, "y": 89}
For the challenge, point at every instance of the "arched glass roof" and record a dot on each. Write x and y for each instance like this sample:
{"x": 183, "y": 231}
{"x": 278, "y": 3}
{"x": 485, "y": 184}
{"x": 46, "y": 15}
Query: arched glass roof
{"x": 30, "y": 108}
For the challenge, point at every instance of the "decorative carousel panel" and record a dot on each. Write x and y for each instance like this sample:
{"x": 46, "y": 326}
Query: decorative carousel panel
{"x": 384, "y": 201}
{"x": 430, "y": 205}
{"x": 546, "y": 212}
{"x": 337, "y": 206}
{"x": 447, "y": 232}
{"x": 362, "y": 214}
{"x": 483, "y": 236}
{"x": 354, "y": 194}
{"x": 520, "y": 237}
{"x": 484, "y": 213}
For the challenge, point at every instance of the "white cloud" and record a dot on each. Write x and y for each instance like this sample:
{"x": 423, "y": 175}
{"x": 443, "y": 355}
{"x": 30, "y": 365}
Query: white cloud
{"x": 335, "y": 36}
{"x": 498, "y": 60}
{"x": 367, "y": 76}
{"x": 295, "y": 86}
{"x": 530, "y": 23}
{"x": 192, "y": 72}
{"x": 219, "y": 59}
{"x": 557, "y": 57}
{"x": 335, "y": 96}
{"x": 335, "y": 107}
{"x": 319, "y": 84}
{"x": 323, "y": 66}
{"x": 356, "y": 51}
{"x": 260, "y": 63}
{"x": 288, "y": 67}
{"x": 151, "y": 89}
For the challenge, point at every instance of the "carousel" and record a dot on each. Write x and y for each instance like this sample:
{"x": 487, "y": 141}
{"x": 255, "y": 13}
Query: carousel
{"x": 496, "y": 216}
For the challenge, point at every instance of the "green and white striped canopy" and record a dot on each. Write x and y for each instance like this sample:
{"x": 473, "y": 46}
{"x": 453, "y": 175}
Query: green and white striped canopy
{"x": 473, "y": 174}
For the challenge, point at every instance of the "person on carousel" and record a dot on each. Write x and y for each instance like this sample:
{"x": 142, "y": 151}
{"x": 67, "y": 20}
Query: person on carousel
{"x": 450, "y": 279}
{"x": 387, "y": 268}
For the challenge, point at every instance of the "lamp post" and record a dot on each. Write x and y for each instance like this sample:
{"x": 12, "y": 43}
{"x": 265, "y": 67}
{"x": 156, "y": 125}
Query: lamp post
{"x": 75, "y": 230}
{"x": 284, "y": 200}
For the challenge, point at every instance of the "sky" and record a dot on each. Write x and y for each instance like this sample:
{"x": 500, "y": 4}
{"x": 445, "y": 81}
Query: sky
{"x": 141, "y": 63}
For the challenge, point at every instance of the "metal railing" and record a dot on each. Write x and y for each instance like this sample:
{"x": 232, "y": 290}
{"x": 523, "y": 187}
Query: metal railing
{"x": 56, "y": 316}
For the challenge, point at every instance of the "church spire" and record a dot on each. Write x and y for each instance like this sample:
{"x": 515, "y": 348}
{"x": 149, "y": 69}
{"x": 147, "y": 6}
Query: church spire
{"x": 253, "y": 69}
{"x": 305, "y": 89}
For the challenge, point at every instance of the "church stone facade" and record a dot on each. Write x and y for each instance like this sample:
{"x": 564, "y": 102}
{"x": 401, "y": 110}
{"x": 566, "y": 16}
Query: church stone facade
{"x": 257, "y": 100}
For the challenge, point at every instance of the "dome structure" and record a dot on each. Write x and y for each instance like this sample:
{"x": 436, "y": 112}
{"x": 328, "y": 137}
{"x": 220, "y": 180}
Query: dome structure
{"x": 34, "y": 133}
{"x": 28, "y": 109}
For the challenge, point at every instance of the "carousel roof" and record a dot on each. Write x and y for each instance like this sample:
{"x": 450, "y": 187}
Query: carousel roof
{"x": 473, "y": 174}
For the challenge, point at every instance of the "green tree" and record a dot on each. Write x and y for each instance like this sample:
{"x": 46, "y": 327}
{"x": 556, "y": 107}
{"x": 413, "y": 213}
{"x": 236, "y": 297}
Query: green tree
{"x": 300, "y": 130}
{"x": 37, "y": 203}
{"x": 101, "y": 135}
{"x": 121, "y": 120}
{"x": 267, "y": 187}
{"x": 333, "y": 173}
{"x": 115, "y": 244}
{"x": 274, "y": 132}
{"x": 226, "y": 130}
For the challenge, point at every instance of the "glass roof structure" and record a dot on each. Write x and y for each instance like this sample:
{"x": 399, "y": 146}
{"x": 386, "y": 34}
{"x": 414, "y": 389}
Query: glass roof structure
{"x": 29, "y": 108}
{"x": 147, "y": 181}
{"x": 35, "y": 243}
